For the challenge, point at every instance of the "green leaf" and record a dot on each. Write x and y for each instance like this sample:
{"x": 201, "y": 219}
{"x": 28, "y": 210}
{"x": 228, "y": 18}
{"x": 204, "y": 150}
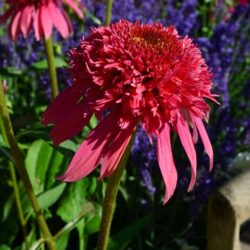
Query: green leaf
{"x": 73, "y": 203}
{"x": 92, "y": 224}
{"x": 4, "y": 247}
{"x": 48, "y": 198}
{"x": 59, "y": 63}
{"x": 87, "y": 208}
{"x": 37, "y": 162}
{"x": 44, "y": 163}
{"x": 62, "y": 242}
{"x": 122, "y": 239}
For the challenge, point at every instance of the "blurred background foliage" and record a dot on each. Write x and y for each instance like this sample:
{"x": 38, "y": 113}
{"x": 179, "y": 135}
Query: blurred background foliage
{"x": 222, "y": 30}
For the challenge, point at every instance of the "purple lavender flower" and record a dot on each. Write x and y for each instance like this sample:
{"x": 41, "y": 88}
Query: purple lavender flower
{"x": 144, "y": 156}
{"x": 183, "y": 17}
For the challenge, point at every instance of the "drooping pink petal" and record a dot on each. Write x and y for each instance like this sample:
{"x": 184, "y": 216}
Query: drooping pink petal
{"x": 66, "y": 17}
{"x": 205, "y": 140}
{"x": 74, "y": 7}
{"x": 116, "y": 149}
{"x": 72, "y": 123}
{"x": 187, "y": 143}
{"x": 37, "y": 25}
{"x": 89, "y": 154}
{"x": 63, "y": 104}
{"x": 46, "y": 22}
{"x": 58, "y": 20}
{"x": 26, "y": 19}
{"x": 15, "y": 25}
{"x": 166, "y": 161}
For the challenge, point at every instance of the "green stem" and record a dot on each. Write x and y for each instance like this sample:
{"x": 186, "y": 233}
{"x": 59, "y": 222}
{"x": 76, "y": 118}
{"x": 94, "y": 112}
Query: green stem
{"x": 110, "y": 199}
{"x": 16, "y": 153}
{"x": 108, "y": 12}
{"x": 16, "y": 191}
{"x": 19, "y": 204}
{"x": 52, "y": 67}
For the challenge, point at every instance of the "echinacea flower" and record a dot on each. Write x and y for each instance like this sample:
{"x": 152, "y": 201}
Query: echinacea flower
{"x": 39, "y": 15}
{"x": 133, "y": 74}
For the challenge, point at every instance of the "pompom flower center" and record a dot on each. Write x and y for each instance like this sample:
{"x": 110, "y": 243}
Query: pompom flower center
{"x": 150, "y": 38}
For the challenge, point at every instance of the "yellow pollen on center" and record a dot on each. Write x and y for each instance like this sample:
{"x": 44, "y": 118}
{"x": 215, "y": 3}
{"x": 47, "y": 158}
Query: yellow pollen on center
{"x": 149, "y": 39}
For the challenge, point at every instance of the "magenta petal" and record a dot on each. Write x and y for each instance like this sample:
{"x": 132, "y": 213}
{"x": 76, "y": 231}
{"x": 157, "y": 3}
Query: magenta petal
{"x": 61, "y": 106}
{"x": 89, "y": 154}
{"x": 67, "y": 19}
{"x": 205, "y": 140}
{"x": 46, "y": 22}
{"x": 187, "y": 143}
{"x": 74, "y": 7}
{"x": 37, "y": 24}
{"x": 15, "y": 25}
{"x": 26, "y": 19}
{"x": 117, "y": 148}
{"x": 72, "y": 123}
{"x": 58, "y": 20}
{"x": 166, "y": 161}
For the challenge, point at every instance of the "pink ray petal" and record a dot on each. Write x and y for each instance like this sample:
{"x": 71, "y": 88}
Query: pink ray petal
{"x": 58, "y": 20}
{"x": 68, "y": 21}
{"x": 205, "y": 140}
{"x": 195, "y": 134}
{"x": 117, "y": 148}
{"x": 63, "y": 104}
{"x": 26, "y": 19}
{"x": 89, "y": 154}
{"x": 37, "y": 24}
{"x": 187, "y": 143}
{"x": 72, "y": 123}
{"x": 74, "y": 7}
{"x": 46, "y": 22}
{"x": 166, "y": 161}
{"x": 15, "y": 25}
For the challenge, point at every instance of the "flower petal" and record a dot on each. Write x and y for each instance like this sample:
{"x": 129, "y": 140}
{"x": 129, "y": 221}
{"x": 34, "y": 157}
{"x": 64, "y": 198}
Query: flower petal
{"x": 37, "y": 25}
{"x": 26, "y": 19}
{"x": 15, "y": 25}
{"x": 58, "y": 20}
{"x": 46, "y": 22}
{"x": 72, "y": 123}
{"x": 116, "y": 149}
{"x": 90, "y": 152}
{"x": 74, "y": 7}
{"x": 166, "y": 161}
{"x": 63, "y": 104}
{"x": 205, "y": 140}
{"x": 187, "y": 143}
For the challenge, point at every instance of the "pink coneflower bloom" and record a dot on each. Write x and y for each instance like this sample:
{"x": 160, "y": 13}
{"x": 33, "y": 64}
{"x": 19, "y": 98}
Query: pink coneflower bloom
{"x": 39, "y": 15}
{"x": 135, "y": 73}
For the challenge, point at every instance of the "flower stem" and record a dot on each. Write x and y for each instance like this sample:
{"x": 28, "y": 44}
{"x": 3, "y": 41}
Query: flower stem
{"x": 16, "y": 153}
{"x": 108, "y": 12}
{"x": 110, "y": 199}
{"x": 16, "y": 191}
{"x": 19, "y": 205}
{"x": 52, "y": 68}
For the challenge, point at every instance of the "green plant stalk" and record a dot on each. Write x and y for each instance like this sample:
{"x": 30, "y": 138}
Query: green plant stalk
{"x": 16, "y": 153}
{"x": 110, "y": 199}
{"x": 19, "y": 204}
{"x": 52, "y": 67}
{"x": 16, "y": 191}
{"x": 108, "y": 12}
